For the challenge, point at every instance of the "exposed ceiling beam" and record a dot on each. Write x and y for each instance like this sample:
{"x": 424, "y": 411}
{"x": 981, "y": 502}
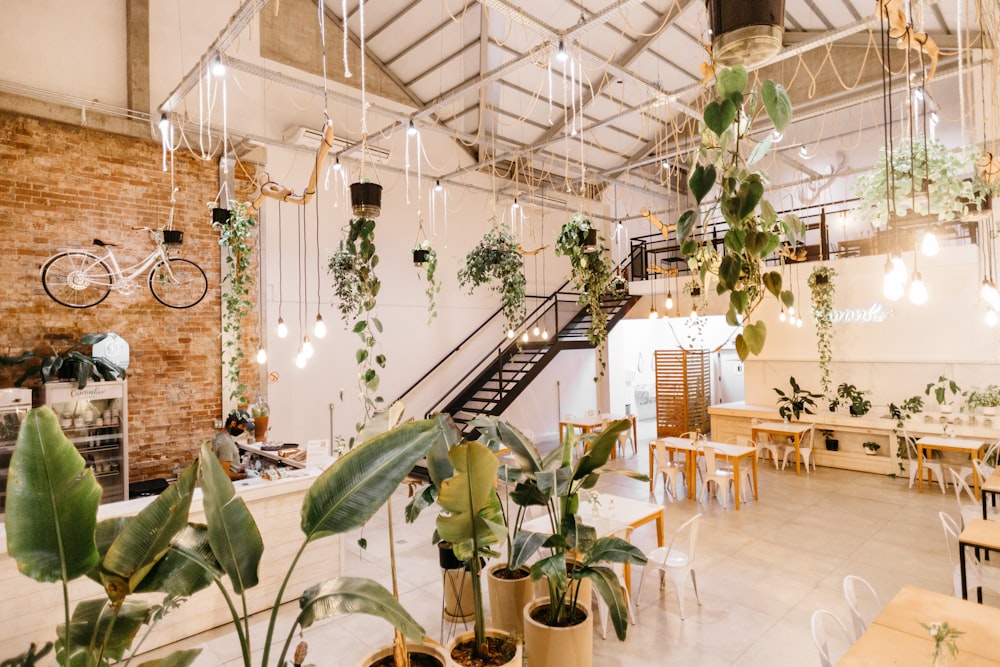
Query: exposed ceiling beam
{"x": 944, "y": 41}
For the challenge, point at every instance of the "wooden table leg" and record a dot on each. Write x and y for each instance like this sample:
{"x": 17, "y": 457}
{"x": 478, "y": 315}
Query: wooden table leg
{"x": 753, "y": 463}
{"x": 651, "y": 467}
{"x": 736, "y": 480}
{"x": 920, "y": 471}
{"x": 798, "y": 456}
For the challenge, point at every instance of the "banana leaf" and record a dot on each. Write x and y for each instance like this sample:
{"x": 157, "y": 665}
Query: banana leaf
{"x": 188, "y": 566}
{"x": 355, "y": 595}
{"x": 175, "y": 659}
{"x": 52, "y": 503}
{"x": 470, "y": 498}
{"x": 232, "y": 532}
{"x": 94, "y": 628}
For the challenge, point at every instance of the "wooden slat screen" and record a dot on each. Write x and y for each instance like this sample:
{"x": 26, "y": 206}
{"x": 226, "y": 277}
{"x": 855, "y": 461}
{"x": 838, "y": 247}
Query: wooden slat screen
{"x": 683, "y": 380}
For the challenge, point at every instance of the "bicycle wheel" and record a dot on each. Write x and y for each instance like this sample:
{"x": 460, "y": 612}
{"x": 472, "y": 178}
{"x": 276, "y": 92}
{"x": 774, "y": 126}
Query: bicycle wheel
{"x": 76, "y": 279}
{"x": 181, "y": 285}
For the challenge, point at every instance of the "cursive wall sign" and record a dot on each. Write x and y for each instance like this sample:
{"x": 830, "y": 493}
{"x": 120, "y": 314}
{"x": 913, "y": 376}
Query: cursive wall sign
{"x": 873, "y": 314}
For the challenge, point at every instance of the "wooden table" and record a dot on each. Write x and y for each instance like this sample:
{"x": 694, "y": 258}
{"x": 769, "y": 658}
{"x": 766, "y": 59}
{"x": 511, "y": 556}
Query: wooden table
{"x": 591, "y": 422}
{"x": 980, "y": 534}
{"x": 896, "y": 636}
{"x": 730, "y": 451}
{"x": 794, "y": 430}
{"x": 971, "y": 446}
{"x": 614, "y": 513}
{"x": 990, "y": 485}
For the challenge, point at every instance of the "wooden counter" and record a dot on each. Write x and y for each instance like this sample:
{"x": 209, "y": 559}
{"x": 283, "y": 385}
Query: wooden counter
{"x": 30, "y": 610}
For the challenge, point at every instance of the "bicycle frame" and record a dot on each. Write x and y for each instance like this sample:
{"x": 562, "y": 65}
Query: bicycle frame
{"x": 121, "y": 277}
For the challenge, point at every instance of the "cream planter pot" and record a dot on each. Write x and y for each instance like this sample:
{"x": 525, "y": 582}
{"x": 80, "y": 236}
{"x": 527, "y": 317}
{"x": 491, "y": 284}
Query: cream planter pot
{"x": 515, "y": 661}
{"x": 546, "y": 646}
{"x": 434, "y": 649}
{"x": 507, "y": 600}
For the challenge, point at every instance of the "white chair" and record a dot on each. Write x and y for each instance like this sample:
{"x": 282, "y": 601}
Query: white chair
{"x": 820, "y": 619}
{"x": 603, "y": 612}
{"x": 933, "y": 468}
{"x": 593, "y": 413}
{"x": 626, "y": 436}
{"x": 985, "y": 471}
{"x": 764, "y": 443}
{"x": 711, "y": 473}
{"x": 670, "y": 470}
{"x": 968, "y": 511}
{"x": 675, "y": 560}
{"x": 976, "y": 576}
{"x": 746, "y": 484}
{"x": 863, "y": 610}
{"x": 805, "y": 450}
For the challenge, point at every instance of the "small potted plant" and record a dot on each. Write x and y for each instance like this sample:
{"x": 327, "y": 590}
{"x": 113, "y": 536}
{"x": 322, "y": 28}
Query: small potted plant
{"x": 366, "y": 199}
{"x": 832, "y": 443}
{"x": 988, "y": 398}
{"x": 858, "y": 404}
{"x": 796, "y": 402}
{"x": 871, "y": 448}
{"x": 70, "y": 364}
{"x": 425, "y": 257}
{"x": 495, "y": 261}
{"x": 905, "y": 410}
{"x": 941, "y": 388}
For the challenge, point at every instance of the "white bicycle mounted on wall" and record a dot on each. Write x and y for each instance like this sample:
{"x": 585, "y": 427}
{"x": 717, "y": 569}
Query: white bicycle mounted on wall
{"x": 78, "y": 278}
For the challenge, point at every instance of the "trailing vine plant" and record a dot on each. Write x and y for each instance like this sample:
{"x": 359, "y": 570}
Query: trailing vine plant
{"x": 695, "y": 325}
{"x": 429, "y": 266}
{"x": 236, "y": 236}
{"x": 725, "y": 158}
{"x": 356, "y": 288}
{"x": 822, "y": 289}
{"x": 496, "y": 261}
{"x": 591, "y": 275}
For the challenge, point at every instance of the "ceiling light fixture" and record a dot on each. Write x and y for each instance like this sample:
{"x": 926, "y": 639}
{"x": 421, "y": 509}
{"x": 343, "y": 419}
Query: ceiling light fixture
{"x": 929, "y": 244}
{"x": 804, "y": 151}
{"x": 307, "y": 347}
{"x": 652, "y": 313}
{"x": 320, "y": 327}
{"x": 536, "y": 331}
{"x": 782, "y": 317}
{"x": 524, "y": 336}
{"x": 545, "y": 333}
{"x": 918, "y": 291}
{"x": 510, "y": 334}
{"x": 300, "y": 359}
{"x": 336, "y": 165}
{"x": 669, "y": 303}
{"x": 218, "y": 68}
{"x": 164, "y": 125}
{"x": 282, "y": 328}
{"x": 437, "y": 186}
{"x": 411, "y": 130}
{"x": 561, "y": 54}
{"x": 261, "y": 356}
{"x": 991, "y": 318}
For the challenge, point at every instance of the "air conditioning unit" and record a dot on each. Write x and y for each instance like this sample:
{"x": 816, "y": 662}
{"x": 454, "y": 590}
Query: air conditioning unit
{"x": 310, "y": 138}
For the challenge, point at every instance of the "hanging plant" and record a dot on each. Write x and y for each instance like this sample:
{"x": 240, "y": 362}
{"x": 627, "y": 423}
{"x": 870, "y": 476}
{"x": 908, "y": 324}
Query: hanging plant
{"x": 591, "y": 274}
{"x": 356, "y": 288}
{"x": 725, "y": 158}
{"x": 925, "y": 178}
{"x": 822, "y": 290}
{"x": 495, "y": 261}
{"x": 236, "y": 236}
{"x": 424, "y": 256}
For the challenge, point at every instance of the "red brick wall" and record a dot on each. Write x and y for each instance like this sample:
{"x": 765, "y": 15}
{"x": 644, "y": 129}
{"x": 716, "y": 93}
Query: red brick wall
{"x": 62, "y": 186}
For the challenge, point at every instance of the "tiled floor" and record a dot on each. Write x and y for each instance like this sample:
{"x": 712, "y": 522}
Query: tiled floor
{"x": 761, "y": 571}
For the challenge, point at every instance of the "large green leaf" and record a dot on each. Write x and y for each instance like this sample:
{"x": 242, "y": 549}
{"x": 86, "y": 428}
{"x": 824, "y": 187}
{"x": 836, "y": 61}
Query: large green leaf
{"x": 350, "y": 491}
{"x": 232, "y": 531}
{"x": 754, "y": 335}
{"x": 175, "y": 659}
{"x": 729, "y": 271}
{"x": 146, "y": 538}
{"x": 685, "y": 225}
{"x": 525, "y": 546}
{"x": 354, "y": 595}
{"x": 52, "y": 503}
{"x": 720, "y": 115}
{"x": 188, "y": 566}
{"x": 749, "y": 195}
{"x": 777, "y": 104}
{"x": 756, "y": 242}
{"x": 381, "y": 422}
{"x": 600, "y": 448}
{"x": 475, "y": 518}
{"x": 609, "y": 587}
{"x": 760, "y": 150}
{"x": 701, "y": 181}
{"x": 772, "y": 282}
{"x": 731, "y": 82}
{"x": 741, "y": 347}
{"x": 91, "y": 630}
{"x": 739, "y": 300}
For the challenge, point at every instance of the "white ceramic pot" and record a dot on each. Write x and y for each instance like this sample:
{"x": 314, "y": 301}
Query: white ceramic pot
{"x": 546, "y": 646}
{"x": 433, "y": 649}
{"x": 507, "y": 600}
{"x": 516, "y": 660}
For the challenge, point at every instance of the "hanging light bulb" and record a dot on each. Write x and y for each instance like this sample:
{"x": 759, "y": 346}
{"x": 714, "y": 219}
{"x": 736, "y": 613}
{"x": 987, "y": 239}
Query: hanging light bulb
{"x": 669, "y": 303}
{"x": 300, "y": 358}
{"x": 336, "y": 164}
{"x": 524, "y": 337}
{"x": 510, "y": 334}
{"x": 261, "y": 356}
{"x": 918, "y": 291}
{"x": 320, "y": 327}
{"x": 892, "y": 289}
{"x": 782, "y": 317}
{"x": 798, "y": 323}
{"x": 929, "y": 244}
{"x": 437, "y": 186}
{"x": 218, "y": 68}
{"x": 282, "y": 328}
{"x": 545, "y": 334}
{"x": 991, "y": 318}
{"x": 561, "y": 54}
{"x": 411, "y": 130}
{"x": 164, "y": 125}
{"x": 653, "y": 314}
{"x": 694, "y": 312}
{"x": 791, "y": 310}
{"x": 898, "y": 268}
{"x": 515, "y": 205}
{"x": 307, "y": 347}
{"x": 536, "y": 330}
{"x": 803, "y": 151}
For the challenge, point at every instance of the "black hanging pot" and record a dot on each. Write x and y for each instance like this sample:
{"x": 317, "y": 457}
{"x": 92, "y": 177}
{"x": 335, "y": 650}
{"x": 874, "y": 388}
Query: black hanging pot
{"x": 173, "y": 237}
{"x": 220, "y": 216}
{"x": 366, "y": 200}
{"x": 446, "y": 557}
{"x": 695, "y": 291}
{"x": 590, "y": 240}
{"x": 746, "y": 33}
{"x": 822, "y": 279}
{"x": 420, "y": 256}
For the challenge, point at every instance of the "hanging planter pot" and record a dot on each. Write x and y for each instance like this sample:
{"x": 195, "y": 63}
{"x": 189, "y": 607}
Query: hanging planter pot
{"x": 220, "y": 216}
{"x": 173, "y": 236}
{"x": 366, "y": 200}
{"x": 590, "y": 240}
{"x": 420, "y": 256}
{"x": 746, "y": 33}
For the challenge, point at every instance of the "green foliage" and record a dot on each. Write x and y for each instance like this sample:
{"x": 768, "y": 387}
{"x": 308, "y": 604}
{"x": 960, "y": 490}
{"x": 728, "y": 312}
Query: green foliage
{"x": 54, "y": 535}
{"x": 822, "y": 289}
{"x": 986, "y": 397}
{"x": 884, "y": 192}
{"x": 859, "y": 405}
{"x": 236, "y": 238}
{"x": 797, "y": 402}
{"x": 941, "y": 389}
{"x": 69, "y": 364}
{"x": 496, "y": 262}
{"x": 904, "y": 411}
{"x": 591, "y": 275}
{"x": 754, "y": 230}
{"x": 433, "y": 284}
{"x": 356, "y": 287}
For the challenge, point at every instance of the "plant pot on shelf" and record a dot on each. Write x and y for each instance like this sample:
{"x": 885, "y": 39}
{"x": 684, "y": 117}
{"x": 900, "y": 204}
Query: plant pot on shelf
{"x": 989, "y": 411}
{"x": 420, "y": 256}
{"x": 508, "y": 597}
{"x": 432, "y": 652}
{"x": 496, "y": 640}
{"x": 366, "y": 200}
{"x": 871, "y": 451}
{"x": 220, "y": 216}
{"x": 832, "y": 445}
{"x": 556, "y": 647}
{"x": 945, "y": 408}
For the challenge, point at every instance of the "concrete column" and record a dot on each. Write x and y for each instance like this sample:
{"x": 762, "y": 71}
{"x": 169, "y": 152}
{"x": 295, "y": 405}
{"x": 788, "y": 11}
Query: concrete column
{"x": 137, "y": 54}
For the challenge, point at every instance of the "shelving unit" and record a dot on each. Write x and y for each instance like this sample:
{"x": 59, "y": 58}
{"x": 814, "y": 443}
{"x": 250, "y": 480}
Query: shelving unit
{"x": 95, "y": 419}
{"x": 14, "y": 404}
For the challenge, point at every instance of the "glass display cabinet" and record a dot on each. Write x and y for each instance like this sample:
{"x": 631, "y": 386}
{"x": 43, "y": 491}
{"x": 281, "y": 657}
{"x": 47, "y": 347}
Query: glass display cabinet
{"x": 14, "y": 404}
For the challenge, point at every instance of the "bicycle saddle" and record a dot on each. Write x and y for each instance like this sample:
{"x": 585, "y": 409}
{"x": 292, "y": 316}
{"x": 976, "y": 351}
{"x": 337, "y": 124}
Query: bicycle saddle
{"x": 103, "y": 243}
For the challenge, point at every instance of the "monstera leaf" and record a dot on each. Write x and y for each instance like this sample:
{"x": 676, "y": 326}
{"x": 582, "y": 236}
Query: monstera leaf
{"x": 475, "y": 518}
